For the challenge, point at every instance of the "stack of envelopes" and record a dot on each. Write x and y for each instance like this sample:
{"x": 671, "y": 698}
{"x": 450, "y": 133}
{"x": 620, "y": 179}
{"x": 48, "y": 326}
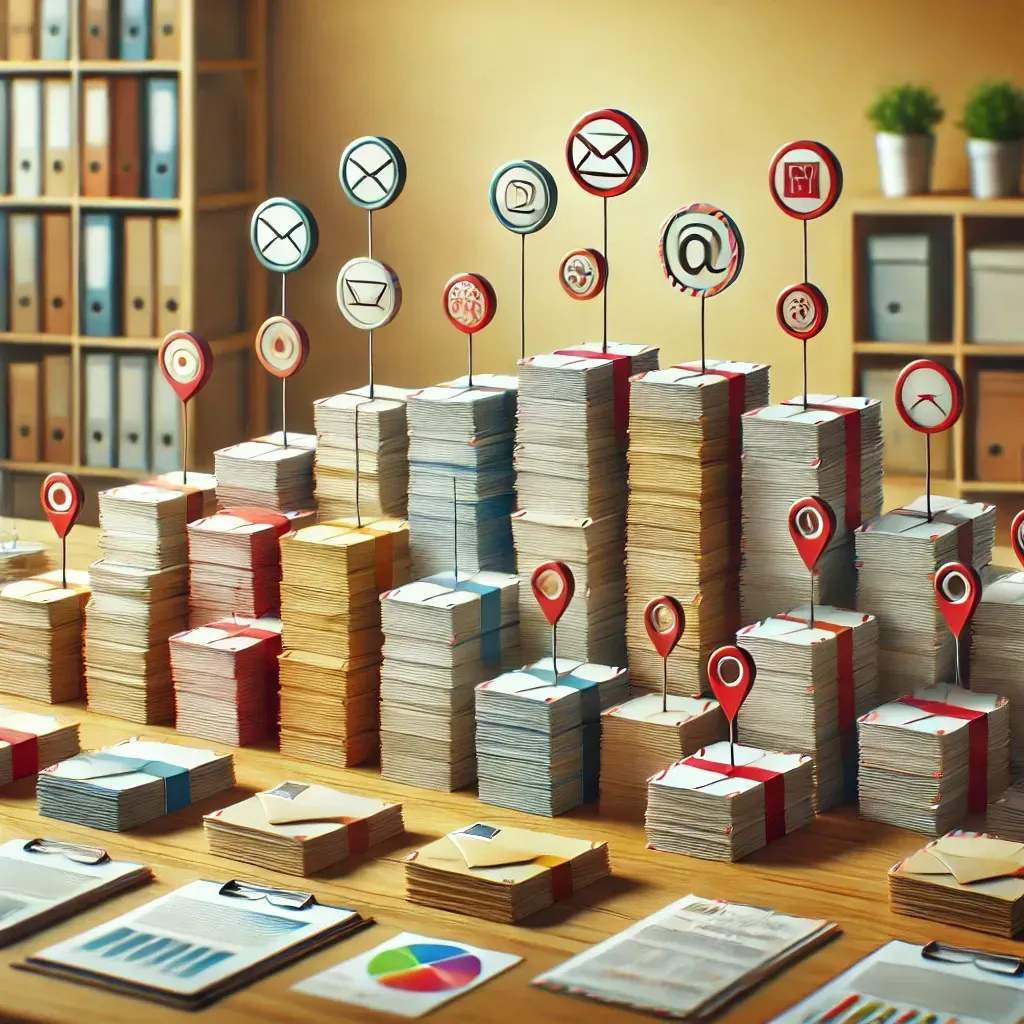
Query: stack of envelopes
{"x": 374, "y": 428}
{"x": 332, "y": 576}
{"x": 538, "y": 734}
{"x": 299, "y": 828}
{"x": 225, "y": 680}
{"x": 29, "y": 743}
{"x": 502, "y": 874}
{"x": 897, "y": 556}
{"x": 461, "y": 481}
{"x": 1005, "y": 816}
{"x": 41, "y": 635}
{"x": 20, "y": 559}
{"x": 266, "y": 474}
{"x": 963, "y": 879}
{"x": 442, "y": 636}
{"x": 832, "y": 449}
{"x": 706, "y": 807}
{"x": 812, "y": 685}
{"x": 683, "y": 517}
{"x": 639, "y": 739}
{"x": 929, "y": 760}
{"x": 200, "y": 490}
{"x": 130, "y": 783}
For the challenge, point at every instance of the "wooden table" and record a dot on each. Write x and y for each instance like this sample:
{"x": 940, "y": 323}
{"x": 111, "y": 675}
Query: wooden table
{"x": 835, "y": 868}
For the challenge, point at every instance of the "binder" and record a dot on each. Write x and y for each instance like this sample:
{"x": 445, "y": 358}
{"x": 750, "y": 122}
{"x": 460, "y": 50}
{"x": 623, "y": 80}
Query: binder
{"x": 5, "y": 274}
{"x": 166, "y": 29}
{"x": 5, "y": 436}
{"x": 135, "y": 30}
{"x": 57, "y": 408}
{"x": 125, "y": 155}
{"x": 54, "y": 29}
{"x": 21, "y": 29}
{"x": 162, "y": 138}
{"x": 96, "y": 137}
{"x": 96, "y": 29}
{"x": 168, "y": 276}
{"x": 139, "y": 277}
{"x": 133, "y": 378}
{"x": 23, "y": 389}
{"x": 26, "y": 135}
{"x": 25, "y": 265}
{"x": 100, "y": 409}
{"x": 5, "y": 136}
{"x": 166, "y": 407}
{"x": 56, "y": 273}
{"x": 57, "y": 152}
{"x": 101, "y": 294}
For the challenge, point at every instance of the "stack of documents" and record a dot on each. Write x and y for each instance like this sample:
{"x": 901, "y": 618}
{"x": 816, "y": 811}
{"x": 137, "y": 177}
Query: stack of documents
{"x": 41, "y": 632}
{"x": 299, "y": 828}
{"x": 130, "y": 783}
{"x": 461, "y": 481}
{"x": 266, "y": 475}
{"x": 376, "y": 428}
{"x": 20, "y": 559}
{"x": 143, "y": 526}
{"x": 538, "y": 734}
{"x": 897, "y": 555}
{"x": 225, "y": 680}
{"x": 1005, "y": 817}
{"x": 812, "y": 685}
{"x": 29, "y": 743}
{"x": 833, "y": 450}
{"x": 683, "y": 517}
{"x": 442, "y": 636}
{"x": 638, "y": 740}
{"x": 706, "y": 807}
{"x": 332, "y": 576}
{"x": 929, "y": 760}
{"x": 502, "y": 874}
{"x": 200, "y": 489}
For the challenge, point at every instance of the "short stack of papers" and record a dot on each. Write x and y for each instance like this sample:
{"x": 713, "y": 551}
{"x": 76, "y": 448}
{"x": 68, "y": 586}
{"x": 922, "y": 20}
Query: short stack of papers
{"x": 299, "y": 828}
{"x": 538, "y": 734}
{"x": 200, "y": 490}
{"x": 264, "y": 474}
{"x": 930, "y": 759}
{"x": 1005, "y": 817}
{"x": 20, "y": 559}
{"x": 131, "y": 783}
{"x": 706, "y": 807}
{"x": 502, "y": 874}
{"x": 897, "y": 555}
{"x": 30, "y": 742}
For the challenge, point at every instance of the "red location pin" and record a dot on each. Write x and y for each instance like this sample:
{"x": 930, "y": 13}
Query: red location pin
{"x": 731, "y": 672}
{"x": 957, "y": 591}
{"x": 1017, "y": 536}
{"x": 665, "y": 622}
{"x": 187, "y": 363}
{"x": 62, "y": 498}
{"x": 812, "y": 525}
{"x": 553, "y": 586}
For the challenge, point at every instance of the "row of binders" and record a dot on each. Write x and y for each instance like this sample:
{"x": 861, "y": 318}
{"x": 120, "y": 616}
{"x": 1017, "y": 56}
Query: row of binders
{"x": 129, "y": 137}
{"x": 129, "y": 29}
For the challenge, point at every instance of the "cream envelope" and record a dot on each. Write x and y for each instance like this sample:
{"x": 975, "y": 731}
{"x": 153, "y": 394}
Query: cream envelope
{"x": 901, "y": 715}
{"x": 686, "y": 774}
{"x": 833, "y": 616}
{"x": 529, "y": 687}
{"x": 647, "y": 708}
{"x": 577, "y": 364}
{"x": 604, "y": 151}
{"x": 1005, "y": 589}
{"x": 144, "y": 494}
{"x": 729, "y": 365}
{"x": 27, "y": 722}
{"x": 794, "y": 414}
{"x": 970, "y": 860}
{"x": 799, "y": 634}
{"x": 837, "y": 400}
{"x": 305, "y": 442}
{"x": 495, "y": 381}
{"x": 459, "y": 394}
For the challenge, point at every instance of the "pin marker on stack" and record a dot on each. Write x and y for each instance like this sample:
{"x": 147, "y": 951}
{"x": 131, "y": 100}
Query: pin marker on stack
{"x": 665, "y": 621}
{"x": 553, "y": 586}
{"x": 958, "y": 593}
{"x": 731, "y": 672}
{"x": 186, "y": 362}
{"x": 812, "y": 525}
{"x": 62, "y": 499}
{"x": 470, "y": 303}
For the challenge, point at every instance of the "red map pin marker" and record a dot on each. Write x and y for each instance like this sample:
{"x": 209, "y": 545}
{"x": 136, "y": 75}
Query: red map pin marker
{"x": 665, "y": 622}
{"x": 812, "y": 525}
{"x": 958, "y": 591}
{"x": 1017, "y": 536}
{"x": 187, "y": 363}
{"x": 731, "y": 672}
{"x": 553, "y": 586}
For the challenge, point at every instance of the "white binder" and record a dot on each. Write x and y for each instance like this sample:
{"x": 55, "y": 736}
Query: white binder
{"x": 57, "y": 152}
{"x": 5, "y": 136}
{"x": 27, "y": 136}
{"x": 166, "y": 425}
{"x": 100, "y": 407}
{"x": 26, "y": 263}
{"x": 54, "y": 25}
{"x": 133, "y": 377}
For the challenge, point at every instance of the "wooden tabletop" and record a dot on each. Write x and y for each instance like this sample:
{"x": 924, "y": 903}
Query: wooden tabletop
{"x": 835, "y": 868}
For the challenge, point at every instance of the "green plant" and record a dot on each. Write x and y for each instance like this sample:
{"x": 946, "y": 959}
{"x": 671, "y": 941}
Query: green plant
{"x": 995, "y": 111}
{"x": 906, "y": 110}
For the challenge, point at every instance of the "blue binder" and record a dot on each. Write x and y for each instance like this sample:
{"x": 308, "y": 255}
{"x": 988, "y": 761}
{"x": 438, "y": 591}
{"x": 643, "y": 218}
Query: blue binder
{"x": 101, "y": 279}
{"x": 54, "y": 29}
{"x": 162, "y": 138}
{"x": 135, "y": 30}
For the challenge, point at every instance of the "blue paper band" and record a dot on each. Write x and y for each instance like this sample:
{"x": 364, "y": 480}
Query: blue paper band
{"x": 490, "y": 611}
{"x": 177, "y": 786}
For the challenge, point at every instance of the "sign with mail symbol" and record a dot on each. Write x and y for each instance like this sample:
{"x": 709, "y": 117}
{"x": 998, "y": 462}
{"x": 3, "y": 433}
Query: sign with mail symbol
{"x": 606, "y": 152}
{"x": 802, "y": 180}
{"x": 523, "y": 196}
{"x": 369, "y": 294}
{"x": 372, "y": 172}
{"x": 283, "y": 234}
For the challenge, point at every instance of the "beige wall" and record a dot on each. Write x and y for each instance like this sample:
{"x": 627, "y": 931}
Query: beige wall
{"x": 463, "y": 86}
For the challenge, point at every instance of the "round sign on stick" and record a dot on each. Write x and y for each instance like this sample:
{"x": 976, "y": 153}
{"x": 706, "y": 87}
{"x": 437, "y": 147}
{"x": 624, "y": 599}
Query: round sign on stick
{"x": 1017, "y": 536}
{"x": 469, "y": 302}
{"x": 731, "y": 673}
{"x": 929, "y": 396}
{"x": 369, "y": 293}
{"x": 372, "y": 172}
{"x": 664, "y": 621}
{"x": 553, "y": 587}
{"x": 186, "y": 362}
{"x": 802, "y": 311}
{"x": 701, "y": 250}
{"x": 805, "y": 179}
{"x": 957, "y": 593}
{"x": 812, "y": 525}
{"x": 606, "y": 152}
{"x": 284, "y": 235}
{"x": 523, "y": 196}
{"x": 582, "y": 274}
{"x": 62, "y": 498}
{"x": 282, "y": 346}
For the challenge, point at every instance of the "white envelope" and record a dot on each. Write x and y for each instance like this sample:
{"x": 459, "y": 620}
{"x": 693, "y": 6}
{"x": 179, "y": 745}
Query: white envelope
{"x": 603, "y": 151}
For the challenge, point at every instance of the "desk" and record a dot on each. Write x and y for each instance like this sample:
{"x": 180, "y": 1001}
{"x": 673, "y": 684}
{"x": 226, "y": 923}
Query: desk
{"x": 835, "y": 868}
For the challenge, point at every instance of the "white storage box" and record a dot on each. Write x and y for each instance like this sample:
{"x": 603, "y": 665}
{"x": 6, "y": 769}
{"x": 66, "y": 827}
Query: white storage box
{"x": 899, "y": 289}
{"x": 996, "y": 294}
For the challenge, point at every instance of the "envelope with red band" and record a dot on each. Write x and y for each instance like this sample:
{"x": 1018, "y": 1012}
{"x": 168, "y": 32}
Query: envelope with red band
{"x": 30, "y": 742}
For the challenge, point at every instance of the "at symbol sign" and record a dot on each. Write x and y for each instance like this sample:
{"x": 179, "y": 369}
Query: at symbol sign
{"x": 709, "y": 245}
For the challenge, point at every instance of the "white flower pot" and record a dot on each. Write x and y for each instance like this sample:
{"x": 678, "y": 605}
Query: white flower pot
{"x": 995, "y": 168}
{"x": 905, "y": 164}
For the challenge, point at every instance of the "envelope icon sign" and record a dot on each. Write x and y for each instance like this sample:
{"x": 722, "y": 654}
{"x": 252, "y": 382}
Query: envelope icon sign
{"x": 606, "y": 152}
{"x": 365, "y": 293}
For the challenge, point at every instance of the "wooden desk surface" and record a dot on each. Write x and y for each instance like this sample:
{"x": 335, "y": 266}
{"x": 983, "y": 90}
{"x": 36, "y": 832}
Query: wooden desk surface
{"x": 835, "y": 868}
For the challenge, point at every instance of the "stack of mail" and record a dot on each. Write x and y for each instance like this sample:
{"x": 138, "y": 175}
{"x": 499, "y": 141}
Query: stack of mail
{"x": 356, "y": 432}
{"x": 225, "y": 680}
{"x": 706, "y": 807}
{"x": 332, "y": 576}
{"x": 130, "y": 783}
{"x": 299, "y": 828}
{"x": 461, "y": 481}
{"x": 1005, "y": 817}
{"x": 538, "y": 734}
{"x": 442, "y": 637}
{"x": 638, "y": 740}
{"x": 812, "y": 685}
{"x": 265, "y": 474}
{"x": 20, "y": 559}
{"x": 897, "y": 555}
{"x": 30, "y": 742}
{"x": 683, "y": 517}
{"x": 966, "y": 880}
{"x": 502, "y": 874}
{"x": 833, "y": 449}
{"x": 200, "y": 489}
{"x": 929, "y": 760}
{"x": 41, "y": 629}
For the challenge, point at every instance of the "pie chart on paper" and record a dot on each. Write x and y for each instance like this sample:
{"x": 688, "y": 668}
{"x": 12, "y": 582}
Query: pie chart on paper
{"x": 425, "y": 967}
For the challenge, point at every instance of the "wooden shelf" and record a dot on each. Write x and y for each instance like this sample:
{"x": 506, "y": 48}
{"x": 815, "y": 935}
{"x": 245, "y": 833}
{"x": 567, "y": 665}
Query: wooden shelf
{"x": 131, "y": 203}
{"x": 97, "y": 472}
{"x": 1011, "y": 351}
{"x": 128, "y": 67}
{"x": 938, "y": 204}
{"x": 229, "y": 343}
{"x": 914, "y": 349}
{"x": 993, "y": 487}
{"x": 35, "y": 67}
{"x": 218, "y": 67}
{"x": 228, "y": 201}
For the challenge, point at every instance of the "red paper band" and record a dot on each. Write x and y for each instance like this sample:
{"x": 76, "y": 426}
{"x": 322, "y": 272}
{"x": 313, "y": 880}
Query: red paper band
{"x": 622, "y": 370}
{"x": 24, "y": 751}
{"x": 561, "y": 881}
{"x": 844, "y": 656}
{"x": 282, "y": 524}
{"x": 774, "y": 784}
{"x": 358, "y": 834}
{"x": 241, "y": 629}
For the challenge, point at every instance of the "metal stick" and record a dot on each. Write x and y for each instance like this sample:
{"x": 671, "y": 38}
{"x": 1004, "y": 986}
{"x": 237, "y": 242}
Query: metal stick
{"x": 604, "y": 342}
{"x": 469, "y": 339}
{"x": 184, "y": 443}
{"x": 64, "y": 562}
{"x": 959, "y": 681}
{"x": 522, "y": 296}
{"x": 805, "y": 252}
{"x": 369, "y": 233}
{"x": 371, "y": 363}
{"x": 664, "y": 684}
{"x": 810, "y": 624}
{"x": 732, "y": 743}
{"x": 359, "y": 520}
{"x": 455, "y": 525}
{"x": 928, "y": 476}
{"x": 703, "y": 362}
{"x": 805, "y": 373}
{"x": 284, "y": 279}
{"x": 554, "y": 652}
{"x": 284, "y": 411}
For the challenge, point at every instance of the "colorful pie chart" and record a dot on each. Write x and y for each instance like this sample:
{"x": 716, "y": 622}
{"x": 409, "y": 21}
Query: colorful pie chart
{"x": 424, "y": 967}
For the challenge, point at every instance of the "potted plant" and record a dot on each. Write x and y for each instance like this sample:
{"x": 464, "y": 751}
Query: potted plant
{"x": 994, "y": 123}
{"x": 904, "y": 117}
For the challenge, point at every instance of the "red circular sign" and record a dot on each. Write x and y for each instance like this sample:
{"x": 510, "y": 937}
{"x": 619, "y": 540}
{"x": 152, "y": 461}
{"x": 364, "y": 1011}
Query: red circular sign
{"x": 582, "y": 274}
{"x": 929, "y": 396}
{"x": 62, "y": 499}
{"x": 606, "y": 152}
{"x": 802, "y": 310}
{"x": 469, "y": 302}
{"x": 186, "y": 362}
{"x": 805, "y": 179}
{"x": 282, "y": 346}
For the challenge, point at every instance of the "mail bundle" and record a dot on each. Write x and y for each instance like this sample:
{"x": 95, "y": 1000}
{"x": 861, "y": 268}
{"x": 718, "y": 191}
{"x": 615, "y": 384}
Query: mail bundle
{"x": 265, "y": 473}
{"x": 30, "y": 742}
{"x": 200, "y": 490}
{"x": 1005, "y": 816}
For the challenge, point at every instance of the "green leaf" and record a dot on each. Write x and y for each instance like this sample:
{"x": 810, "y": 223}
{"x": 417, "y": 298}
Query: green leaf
{"x": 994, "y": 111}
{"x": 906, "y": 110}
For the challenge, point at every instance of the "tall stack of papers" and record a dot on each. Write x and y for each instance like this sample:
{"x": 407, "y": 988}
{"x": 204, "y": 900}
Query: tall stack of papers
{"x": 265, "y": 474}
{"x": 376, "y": 428}
{"x": 30, "y": 742}
{"x": 683, "y": 520}
{"x": 461, "y": 481}
{"x": 200, "y": 489}
{"x": 442, "y": 636}
{"x": 332, "y": 576}
{"x": 538, "y": 734}
{"x": 706, "y": 807}
{"x": 1005, "y": 817}
{"x": 897, "y": 555}
{"x": 929, "y": 760}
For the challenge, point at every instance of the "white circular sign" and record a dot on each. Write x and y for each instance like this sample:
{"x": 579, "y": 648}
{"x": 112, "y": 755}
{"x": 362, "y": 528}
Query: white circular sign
{"x": 701, "y": 250}
{"x": 928, "y": 396}
{"x": 284, "y": 235}
{"x": 805, "y": 179}
{"x": 523, "y": 196}
{"x": 369, "y": 293}
{"x": 372, "y": 172}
